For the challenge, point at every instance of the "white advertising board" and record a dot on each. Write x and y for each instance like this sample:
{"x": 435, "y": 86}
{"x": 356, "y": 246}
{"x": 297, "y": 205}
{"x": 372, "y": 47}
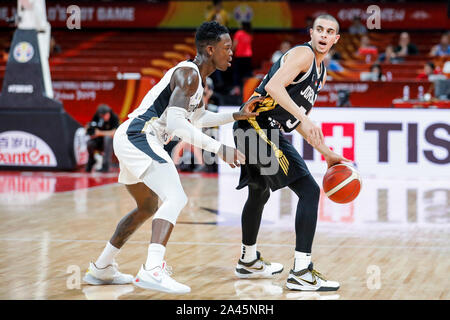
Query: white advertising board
{"x": 382, "y": 142}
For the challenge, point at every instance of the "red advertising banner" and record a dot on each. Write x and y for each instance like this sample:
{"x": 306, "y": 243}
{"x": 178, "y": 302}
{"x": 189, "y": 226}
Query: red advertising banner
{"x": 263, "y": 14}
{"x": 81, "y": 98}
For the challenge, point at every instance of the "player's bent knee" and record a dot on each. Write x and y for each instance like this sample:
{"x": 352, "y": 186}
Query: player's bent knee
{"x": 315, "y": 191}
{"x": 262, "y": 194}
{"x": 171, "y": 207}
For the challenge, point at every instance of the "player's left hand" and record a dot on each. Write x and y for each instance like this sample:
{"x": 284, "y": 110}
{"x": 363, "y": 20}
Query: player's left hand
{"x": 334, "y": 158}
{"x": 247, "y": 110}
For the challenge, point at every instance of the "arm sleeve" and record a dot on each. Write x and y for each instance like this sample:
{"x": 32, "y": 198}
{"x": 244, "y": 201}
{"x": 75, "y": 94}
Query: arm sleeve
{"x": 178, "y": 125}
{"x": 203, "y": 118}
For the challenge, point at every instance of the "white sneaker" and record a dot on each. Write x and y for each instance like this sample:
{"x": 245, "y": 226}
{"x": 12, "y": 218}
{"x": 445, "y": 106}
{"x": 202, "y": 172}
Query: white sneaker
{"x": 107, "y": 275}
{"x": 310, "y": 280}
{"x": 158, "y": 278}
{"x": 258, "y": 268}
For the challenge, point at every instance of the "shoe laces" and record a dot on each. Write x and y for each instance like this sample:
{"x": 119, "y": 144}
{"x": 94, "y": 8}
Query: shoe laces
{"x": 315, "y": 272}
{"x": 258, "y": 254}
{"x": 115, "y": 268}
{"x": 166, "y": 269}
{"x": 267, "y": 263}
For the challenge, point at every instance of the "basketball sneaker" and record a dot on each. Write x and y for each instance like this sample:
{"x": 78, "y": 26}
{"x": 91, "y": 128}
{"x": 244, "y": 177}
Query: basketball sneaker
{"x": 158, "y": 278}
{"x": 258, "y": 268}
{"x": 107, "y": 275}
{"x": 310, "y": 280}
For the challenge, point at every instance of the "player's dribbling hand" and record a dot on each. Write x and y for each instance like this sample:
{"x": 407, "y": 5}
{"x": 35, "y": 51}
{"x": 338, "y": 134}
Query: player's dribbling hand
{"x": 246, "y": 111}
{"x": 334, "y": 158}
{"x": 231, "y": 156}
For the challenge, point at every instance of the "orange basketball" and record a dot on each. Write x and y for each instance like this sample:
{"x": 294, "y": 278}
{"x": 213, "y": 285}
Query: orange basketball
{"x": 342, "y": 183}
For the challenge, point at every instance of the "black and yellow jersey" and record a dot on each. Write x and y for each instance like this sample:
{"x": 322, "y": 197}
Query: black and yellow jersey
{"x": 303, "y": 90}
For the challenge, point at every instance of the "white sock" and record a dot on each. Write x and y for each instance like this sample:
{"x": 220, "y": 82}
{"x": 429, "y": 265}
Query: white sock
{"x": 155, "y": 256}
{"x": 107, "y": 256}
{"x": 302, "y": 260}
{"x": 248, "y": 253}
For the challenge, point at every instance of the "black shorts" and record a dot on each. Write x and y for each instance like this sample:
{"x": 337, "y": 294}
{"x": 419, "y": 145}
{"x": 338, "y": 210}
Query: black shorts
{"x": 270, "y": 158}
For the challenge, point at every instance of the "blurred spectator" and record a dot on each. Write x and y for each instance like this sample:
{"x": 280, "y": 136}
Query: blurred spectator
{"x": 405, "y": 47}
{"x": 428, "y": 69}
{"x": 367, "y": 49}
{"x": 216, "y": 12}
{"x": 389, "y": 56}
{"x": 357, "y": 27}
{"x": 101, "y": 130}
{"x": 446, "y": 68}
{"x": 332, "y": 64}
{"x": 54, "y": 47}
{"x": 5, "y": 52}
{"x": 442, "y": 49}
{"x": 4, "y": 55}
{"x": 309, "y": 21}
{"x": 242, "y": 47}
{"x": 190, "y": 158}
{"x": 284, "y": 47}
{"x": 343, "y": 98}
{"x": 375, "y": 74}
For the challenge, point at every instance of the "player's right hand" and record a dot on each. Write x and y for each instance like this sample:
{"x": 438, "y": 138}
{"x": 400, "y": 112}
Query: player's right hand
{"x": 231, "y": 156}
{"x": 333, "y": 158}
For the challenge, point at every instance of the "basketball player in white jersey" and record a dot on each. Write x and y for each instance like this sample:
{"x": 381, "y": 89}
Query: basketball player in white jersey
{"x": 147, "y": 169}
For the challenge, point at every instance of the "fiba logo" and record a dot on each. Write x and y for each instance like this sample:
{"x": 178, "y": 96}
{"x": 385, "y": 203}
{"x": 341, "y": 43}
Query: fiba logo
{"x": 23, "y": 52}
{"x": 243, "y": 13}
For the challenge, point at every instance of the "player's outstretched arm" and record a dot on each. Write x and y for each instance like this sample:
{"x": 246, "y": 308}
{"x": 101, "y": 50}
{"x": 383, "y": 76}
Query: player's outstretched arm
{"x": 184, "y": 84}
{"x": 203, "y": 118}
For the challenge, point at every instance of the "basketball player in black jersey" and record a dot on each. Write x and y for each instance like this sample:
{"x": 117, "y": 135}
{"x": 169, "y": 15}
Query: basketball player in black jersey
{"x": 283, "y": 100}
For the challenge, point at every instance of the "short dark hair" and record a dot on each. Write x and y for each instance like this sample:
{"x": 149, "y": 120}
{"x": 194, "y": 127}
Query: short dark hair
{"x": 209, "y": 34}
{"x": 327, "y": 17}
{"x": 103, "y": 109}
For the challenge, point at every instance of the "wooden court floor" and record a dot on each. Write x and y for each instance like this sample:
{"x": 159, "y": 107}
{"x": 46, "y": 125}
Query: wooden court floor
{"x": 393, "y": 242}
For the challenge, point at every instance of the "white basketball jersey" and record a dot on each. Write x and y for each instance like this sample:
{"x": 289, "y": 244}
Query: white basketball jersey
{"x": 153, "y": 108}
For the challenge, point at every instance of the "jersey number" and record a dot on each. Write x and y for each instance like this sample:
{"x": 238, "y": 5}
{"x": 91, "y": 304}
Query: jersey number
{"x": 290, "y": 125}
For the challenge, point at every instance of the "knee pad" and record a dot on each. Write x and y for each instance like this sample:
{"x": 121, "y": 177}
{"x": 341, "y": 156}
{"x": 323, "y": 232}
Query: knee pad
{"x": 171, "y": 207}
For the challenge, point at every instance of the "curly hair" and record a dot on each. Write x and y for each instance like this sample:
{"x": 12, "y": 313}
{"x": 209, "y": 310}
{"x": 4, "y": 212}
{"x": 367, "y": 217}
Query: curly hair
{"x": 209, "y": 34}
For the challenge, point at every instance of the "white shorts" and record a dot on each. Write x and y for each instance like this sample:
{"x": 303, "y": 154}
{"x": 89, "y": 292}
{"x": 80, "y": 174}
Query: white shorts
{"x": 136, "y": 151}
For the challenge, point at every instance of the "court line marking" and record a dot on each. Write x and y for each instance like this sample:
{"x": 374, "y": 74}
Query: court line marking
{"x": 276, "y": 245}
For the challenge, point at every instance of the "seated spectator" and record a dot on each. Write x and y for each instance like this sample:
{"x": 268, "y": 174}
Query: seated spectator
{"x": 357, "y": 27}
{"x": 284, "y": 47}
{"x": 335, "y": 55}
{"x": 101, "y": 130}
{"x": 308, "y": 25}
{"x": 54, "y": 47}
{"x": 367, "y": 49}
{"x": 375, "y": 74}
{"x": 389, "y": 56}
{"x": 405, "y": 47}
{"x": 442, "y": 49}
{"x": 446, "y": 68}
{"x": 429, "y": 69}
{"x": 332, "y": 64}
{"x": 5, "y": 52}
